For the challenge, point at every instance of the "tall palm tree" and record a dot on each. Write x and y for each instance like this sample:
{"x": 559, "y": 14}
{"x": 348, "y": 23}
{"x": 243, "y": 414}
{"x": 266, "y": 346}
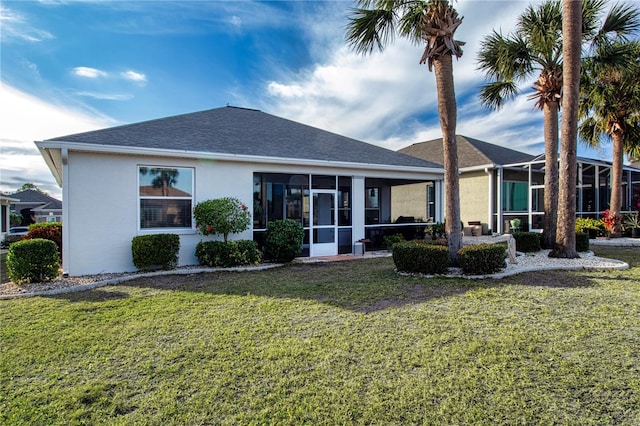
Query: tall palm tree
{"x": 536, "y": 47}
{"x": 565, "y": 245}
{"x": 610, "y": 107}
{"x": 432, "y": 22}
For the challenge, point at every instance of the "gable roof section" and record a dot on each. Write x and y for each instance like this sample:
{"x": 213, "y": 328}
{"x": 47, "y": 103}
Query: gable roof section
{"x": 244, "y": 132}
{"x": 31, "y": 196}
{"x": 471, "y": 152}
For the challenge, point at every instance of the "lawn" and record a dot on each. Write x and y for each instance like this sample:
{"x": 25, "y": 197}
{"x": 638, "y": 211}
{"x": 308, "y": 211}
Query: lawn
{"x": 339, "y": 343}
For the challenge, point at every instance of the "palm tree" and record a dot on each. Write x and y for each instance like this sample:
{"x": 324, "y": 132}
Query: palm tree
{"x": 536, "y": 47}
{"x": 433, "y": 22}
{"x": 610, "y": 107}
{"x": 565, "y": 245}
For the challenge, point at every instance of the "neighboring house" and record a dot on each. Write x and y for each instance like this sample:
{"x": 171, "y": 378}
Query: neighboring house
{"x": 35, "y": 206}
{"x": 499, "y": 184}
{"x": 145, "y": 178}
{"x": 5, "y": 216}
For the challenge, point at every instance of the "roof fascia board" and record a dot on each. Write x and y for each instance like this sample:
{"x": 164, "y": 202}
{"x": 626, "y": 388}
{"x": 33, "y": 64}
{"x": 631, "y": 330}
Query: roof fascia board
{"x": 123, "y": 150}
{"x": 477, "y": 168}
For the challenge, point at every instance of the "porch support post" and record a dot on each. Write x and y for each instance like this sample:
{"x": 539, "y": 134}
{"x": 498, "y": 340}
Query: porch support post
{"x": 357, "y": 209}
{"x": 66, "y": 210}
{"x": 489, "y": 173}
{"x": 439, "y": 194}
{"x": 580, "y": 190}
{"x": 499, "y": 226}
{"x": 529, "y": 198}
{"x": 596, "y": 187}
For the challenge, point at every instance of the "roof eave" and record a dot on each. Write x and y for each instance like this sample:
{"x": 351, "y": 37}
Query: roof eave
{"x": 46, "y": 146}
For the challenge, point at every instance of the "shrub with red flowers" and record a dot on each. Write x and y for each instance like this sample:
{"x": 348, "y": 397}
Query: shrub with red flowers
{"x": 222, "y": 216}
{"x": 611, "y": 221}
{"x": 47, "y": 230}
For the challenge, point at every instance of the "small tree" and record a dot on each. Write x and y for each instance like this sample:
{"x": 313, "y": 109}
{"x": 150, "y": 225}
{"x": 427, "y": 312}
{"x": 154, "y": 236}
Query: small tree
{"x": 222, "y": 216}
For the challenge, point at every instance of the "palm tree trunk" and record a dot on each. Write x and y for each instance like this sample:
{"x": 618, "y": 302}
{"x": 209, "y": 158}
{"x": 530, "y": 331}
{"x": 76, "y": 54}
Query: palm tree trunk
{"x": 447, "y": 109}
{"x": 550, "y": 111}
{"x": 616, "y": 178}
{"x": 565, "y": 244}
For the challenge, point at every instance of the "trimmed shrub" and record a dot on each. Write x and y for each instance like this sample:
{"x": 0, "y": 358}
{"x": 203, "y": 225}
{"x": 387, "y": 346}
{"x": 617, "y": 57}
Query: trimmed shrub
{"x": 482, "y": 259}
{"x": 46, "y": 230}
{"x": 224, "y": 255}
{"x": 390, "y": 240}
{"x": 157, "y": 250}
{"x": 283, "y": 240}
{"x": 421, "y": 257}
{"x": 33, "y": 261}
{"x": 582, "y": 241}
{"x": 222, "y": 216}
{"x": 527, "y": 242}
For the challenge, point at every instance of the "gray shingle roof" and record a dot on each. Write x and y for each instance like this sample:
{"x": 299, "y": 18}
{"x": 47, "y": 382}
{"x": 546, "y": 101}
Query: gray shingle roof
{"x": 471, "y": 152}
{"x": 241, "y": 131}
{"x": 33, "y": 196}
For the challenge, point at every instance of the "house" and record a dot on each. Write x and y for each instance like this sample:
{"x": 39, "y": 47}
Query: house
{"x": 498, "y": 184}
{"x": 36, "y": 206}
{"x": 5, "y": 216}
{"x": 146, "y": 177}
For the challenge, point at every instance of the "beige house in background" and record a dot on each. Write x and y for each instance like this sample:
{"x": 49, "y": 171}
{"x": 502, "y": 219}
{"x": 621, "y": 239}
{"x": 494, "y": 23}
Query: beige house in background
{"x": 499, "y": 184}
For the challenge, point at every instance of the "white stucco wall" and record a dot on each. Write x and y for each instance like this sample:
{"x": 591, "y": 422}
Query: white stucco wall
{"x": 101, "y": 202}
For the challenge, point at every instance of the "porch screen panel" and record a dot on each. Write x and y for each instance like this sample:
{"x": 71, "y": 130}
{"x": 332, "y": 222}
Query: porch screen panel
{"x": 165, "y": 197}
{"x": 514, "y": 196}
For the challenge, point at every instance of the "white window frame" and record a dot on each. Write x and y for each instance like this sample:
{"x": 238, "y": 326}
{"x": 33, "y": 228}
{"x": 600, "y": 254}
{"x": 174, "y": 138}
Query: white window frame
{"x": 139, "y": 198}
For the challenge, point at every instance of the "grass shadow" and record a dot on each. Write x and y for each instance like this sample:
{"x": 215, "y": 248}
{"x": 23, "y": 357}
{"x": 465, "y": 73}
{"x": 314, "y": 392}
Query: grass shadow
{"x": 361, "y": 285}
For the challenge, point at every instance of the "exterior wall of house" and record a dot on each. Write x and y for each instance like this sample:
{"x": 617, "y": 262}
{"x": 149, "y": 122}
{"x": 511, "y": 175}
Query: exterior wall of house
{"x": 474, "y": 198}
{"x": 101, "y": 196}
{"x": 103, "y": 216}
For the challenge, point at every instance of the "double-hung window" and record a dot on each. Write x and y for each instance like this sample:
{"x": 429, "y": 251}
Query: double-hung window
{"x": 166, "y": 197}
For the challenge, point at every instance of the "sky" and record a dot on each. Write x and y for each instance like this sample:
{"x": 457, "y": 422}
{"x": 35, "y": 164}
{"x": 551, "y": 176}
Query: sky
{"x": 72, "y": 66}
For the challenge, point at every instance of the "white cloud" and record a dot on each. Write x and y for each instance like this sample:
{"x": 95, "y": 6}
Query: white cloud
{"x": 106, "y": 96}
{"x": 88, "y": 72}
{"x": 25, "y": 119}
{"x": 134, "y": 76}
{"x": 16, "y": 27}
{"x": 390, "y": 100}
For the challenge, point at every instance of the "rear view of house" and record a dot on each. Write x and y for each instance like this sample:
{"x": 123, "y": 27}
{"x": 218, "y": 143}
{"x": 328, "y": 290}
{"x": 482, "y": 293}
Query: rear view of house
{"x": 146, "y": 178}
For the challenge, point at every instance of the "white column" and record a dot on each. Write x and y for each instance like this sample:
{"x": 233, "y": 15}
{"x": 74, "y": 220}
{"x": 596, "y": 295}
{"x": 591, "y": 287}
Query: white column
{"x": 499, "y": 201}
{"x": 66, "y": 222}
{"x": 489, "y": 173}
{"x": 357, "y": 208}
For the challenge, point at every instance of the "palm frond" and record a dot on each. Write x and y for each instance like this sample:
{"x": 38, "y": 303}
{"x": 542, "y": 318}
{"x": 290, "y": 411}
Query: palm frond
{"x": 622, "y": 21}
{"x": 496, "y": 93}
{"x": 369, "y": 29}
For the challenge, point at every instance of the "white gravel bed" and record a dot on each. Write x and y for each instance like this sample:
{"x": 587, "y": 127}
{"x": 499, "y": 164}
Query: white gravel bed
{"x": 540, "y": 261}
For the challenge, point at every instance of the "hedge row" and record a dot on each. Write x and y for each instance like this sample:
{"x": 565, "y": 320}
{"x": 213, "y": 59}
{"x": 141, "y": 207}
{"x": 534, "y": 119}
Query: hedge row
{"x": 425, "y": 258}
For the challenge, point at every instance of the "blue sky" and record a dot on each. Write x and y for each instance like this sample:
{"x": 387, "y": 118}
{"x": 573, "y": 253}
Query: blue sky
{"x": 73, "y": 66}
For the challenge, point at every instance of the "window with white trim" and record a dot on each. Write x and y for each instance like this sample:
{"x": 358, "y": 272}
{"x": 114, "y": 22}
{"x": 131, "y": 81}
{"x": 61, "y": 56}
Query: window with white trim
{"x": 165, "y": 197}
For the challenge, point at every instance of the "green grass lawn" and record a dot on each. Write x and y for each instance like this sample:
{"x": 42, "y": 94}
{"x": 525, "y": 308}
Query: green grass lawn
{"x": 340, "y": 343}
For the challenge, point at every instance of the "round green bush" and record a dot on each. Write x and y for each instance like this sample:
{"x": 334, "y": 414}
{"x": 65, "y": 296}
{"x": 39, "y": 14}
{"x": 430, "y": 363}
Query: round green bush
{"x": 527, "y": 242}
{"x": 283, "y": 240}
{"x": 224, "y": 255}
{"x": 33, "y": 261}
{"x": 156, "y": 250}
{"x": 480, "y": 259}
{"x": 421, "y": 257}
{"x": 222, "y": 216}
